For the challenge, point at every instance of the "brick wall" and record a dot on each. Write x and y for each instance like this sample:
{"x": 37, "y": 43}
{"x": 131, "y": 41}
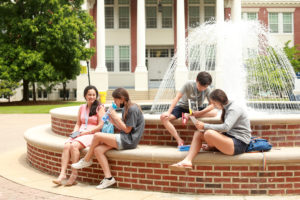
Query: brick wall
{"x": 279, "y": 135}
{"x": 234, "y": 179}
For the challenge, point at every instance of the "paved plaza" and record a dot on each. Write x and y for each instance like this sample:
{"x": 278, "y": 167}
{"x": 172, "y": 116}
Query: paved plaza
{"x": 20, "y": 181}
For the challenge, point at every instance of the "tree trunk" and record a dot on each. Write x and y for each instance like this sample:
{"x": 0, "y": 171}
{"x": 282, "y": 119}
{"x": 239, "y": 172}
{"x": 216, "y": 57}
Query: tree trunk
{"x": 33, "y": 92}
{"x": 25, "y": 91}
{"x": 64, "y": 89}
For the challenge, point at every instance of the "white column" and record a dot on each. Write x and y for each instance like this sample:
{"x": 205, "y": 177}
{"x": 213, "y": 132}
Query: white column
{"x": 141, "y": 73}
{"x": 220, "y": 11}
{"x": 82, "y": 79}
{"x": 100, "y": 77}
{"x": 220, "y": 44}
{"x": 236, "y": 10}
{"x": 181, "y": 73}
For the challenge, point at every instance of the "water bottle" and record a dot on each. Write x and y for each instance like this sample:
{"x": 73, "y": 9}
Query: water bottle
{"x": 106, "y": 117}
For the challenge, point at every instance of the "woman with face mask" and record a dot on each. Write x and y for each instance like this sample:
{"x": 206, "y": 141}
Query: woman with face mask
{"x": 231, "y": 137}
{"x": 131, "y": 127}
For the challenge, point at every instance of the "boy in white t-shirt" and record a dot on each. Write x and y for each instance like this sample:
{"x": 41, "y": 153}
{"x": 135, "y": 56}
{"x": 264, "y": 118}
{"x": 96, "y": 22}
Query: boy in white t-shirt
{"x": 196, "y": 91}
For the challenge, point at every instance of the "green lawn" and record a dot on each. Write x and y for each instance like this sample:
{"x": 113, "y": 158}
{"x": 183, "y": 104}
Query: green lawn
{"x": 18, "y": 109}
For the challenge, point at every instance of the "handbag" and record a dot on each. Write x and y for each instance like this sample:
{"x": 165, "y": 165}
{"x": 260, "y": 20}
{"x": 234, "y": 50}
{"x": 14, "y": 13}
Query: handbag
{"x": 108, "y": 127}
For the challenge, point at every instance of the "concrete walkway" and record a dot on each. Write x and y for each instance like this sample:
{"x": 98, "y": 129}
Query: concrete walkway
{"x": 20, "y": 181}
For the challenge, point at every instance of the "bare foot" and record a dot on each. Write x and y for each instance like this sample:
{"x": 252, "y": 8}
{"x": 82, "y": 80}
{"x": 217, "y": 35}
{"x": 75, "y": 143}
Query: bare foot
{"x": 60, "y": 178}
{"x": 180, "y": 142}
{"x": 72, "y": 180}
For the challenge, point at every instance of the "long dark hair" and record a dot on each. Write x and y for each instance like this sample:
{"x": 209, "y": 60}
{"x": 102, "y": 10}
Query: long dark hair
{"x": 96, "y": 103}
{"x": 219, "y": 96}
{"x": 118, "y": 94}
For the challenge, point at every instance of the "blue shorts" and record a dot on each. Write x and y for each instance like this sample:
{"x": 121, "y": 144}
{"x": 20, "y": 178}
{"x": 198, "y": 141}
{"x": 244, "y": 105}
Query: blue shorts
{"x": 239, "y": 146}
{"x": 177, "y": 111}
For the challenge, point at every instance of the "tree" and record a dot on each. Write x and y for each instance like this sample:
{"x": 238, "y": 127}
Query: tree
{"x": 268, "y": 75}
{"x": 293, "y": 54}
{"x": 7, "y": 88}
{"x": 43, "y": 40}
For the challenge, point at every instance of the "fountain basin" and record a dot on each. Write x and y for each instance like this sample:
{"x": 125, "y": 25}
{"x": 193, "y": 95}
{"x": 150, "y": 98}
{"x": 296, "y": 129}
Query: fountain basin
{"x": 146, "y": 167}
{"x": 282, "y": 130}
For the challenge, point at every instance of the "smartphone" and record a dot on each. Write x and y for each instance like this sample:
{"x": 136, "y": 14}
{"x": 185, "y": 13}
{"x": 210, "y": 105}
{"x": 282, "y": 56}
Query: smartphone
{"x": 75, "y": 134}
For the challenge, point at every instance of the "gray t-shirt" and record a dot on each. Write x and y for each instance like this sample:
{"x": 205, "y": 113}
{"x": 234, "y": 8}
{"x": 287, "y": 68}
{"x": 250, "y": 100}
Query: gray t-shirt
{"x": 135, "y": 119}
{"x": 236, "y": 123}
{"x": 190, "y": 91}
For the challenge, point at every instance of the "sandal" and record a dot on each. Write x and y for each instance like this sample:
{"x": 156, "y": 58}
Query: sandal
{"x": 71, "y": 181}
{"x": 180, "y": 167}
{"x": 184, "y": 119}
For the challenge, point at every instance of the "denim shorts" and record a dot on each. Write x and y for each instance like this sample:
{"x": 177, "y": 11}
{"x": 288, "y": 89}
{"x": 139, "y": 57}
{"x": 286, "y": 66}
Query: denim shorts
{"x": 119, "y": 142}
{"x": 239, "y": 146}
{"x": 177, "y": 111}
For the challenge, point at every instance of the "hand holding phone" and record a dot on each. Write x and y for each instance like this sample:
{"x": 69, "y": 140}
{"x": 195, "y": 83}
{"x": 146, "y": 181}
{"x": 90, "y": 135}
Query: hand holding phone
{"x": 75, "y": 134}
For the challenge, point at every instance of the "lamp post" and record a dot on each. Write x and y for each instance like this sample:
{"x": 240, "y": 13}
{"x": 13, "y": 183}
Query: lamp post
{"x": 88, "y": 69}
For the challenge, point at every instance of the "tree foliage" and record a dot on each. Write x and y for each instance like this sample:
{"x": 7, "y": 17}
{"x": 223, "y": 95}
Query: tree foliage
{"x": 293, "y": 54}
{"x": 43, "y": 40}
{"x": 7, "y": 88}
{"x": 268, "y": 75}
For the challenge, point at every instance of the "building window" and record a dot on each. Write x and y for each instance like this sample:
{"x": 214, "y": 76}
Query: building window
{"x": 249, "y": 16}
{"x": 61, "y": 93}
{"x": 75, "y": 93}
{"x": 194, "y": 16}
{"x": 159, "y": 53}
{"x": 151, "y": 17}
{"x": 45, "y": 94}
{"x": 30, "y": 94}
{"x": 287, "y": 22}
{"x": 39, "y": 94}
{"x": 209, "y": 13}
{"x": 109, "y": 60}
{"x": 273, "y": 22}
{"x": 109, "y": 17}
{"x": 201, "y": 11}
{"x": 124, "y": 13}
{"x": 167, "y": 16}
{"x": 124, "y": 58}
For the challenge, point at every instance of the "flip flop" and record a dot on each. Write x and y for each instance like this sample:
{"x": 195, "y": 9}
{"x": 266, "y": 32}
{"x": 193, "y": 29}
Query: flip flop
{"x": 180, "y": 167}
{"x": 70, "y": 184}
{"x": 184, "y": 119}
{"x": 58, "y": 183}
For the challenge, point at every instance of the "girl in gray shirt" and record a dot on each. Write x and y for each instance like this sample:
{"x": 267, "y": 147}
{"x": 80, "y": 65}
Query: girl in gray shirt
{"x": 231, "y": 137}
{"x": 131, "y": 127}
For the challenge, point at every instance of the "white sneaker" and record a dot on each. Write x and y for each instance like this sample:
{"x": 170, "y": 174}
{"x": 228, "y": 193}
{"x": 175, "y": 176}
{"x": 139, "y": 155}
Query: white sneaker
{"x": 106, "y": 183}
{"x": 82, "y": 164}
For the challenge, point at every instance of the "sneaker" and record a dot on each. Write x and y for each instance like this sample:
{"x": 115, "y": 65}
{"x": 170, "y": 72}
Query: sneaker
{"x": 106, "y": 183}
{"x": 82, "y": 164}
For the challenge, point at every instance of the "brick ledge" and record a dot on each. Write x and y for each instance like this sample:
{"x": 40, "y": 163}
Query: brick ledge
{"x": 42, "y": 137}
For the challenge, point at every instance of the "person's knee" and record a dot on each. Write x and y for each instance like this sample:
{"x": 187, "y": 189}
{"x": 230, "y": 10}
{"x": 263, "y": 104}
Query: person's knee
{"x": 75, "y": 146}
{"x": 98, "y": 151}
{"x": 214, "y": 113}
{"x": 67, "y": 146}
{"x": 164, "y": 118}
{"x": 208, "y": 135}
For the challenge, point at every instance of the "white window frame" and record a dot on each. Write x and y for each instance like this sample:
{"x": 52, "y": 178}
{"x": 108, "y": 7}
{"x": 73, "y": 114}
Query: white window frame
{"x": 129, "y": 58}
{"x": 110, "y": 6}
{"x": 172, "y": 14}
{"x": 118, "y": 13}
{"x": 202, "y": 4}
{"x": 245, "y": 15}
{"x": 280, "y": 12}
{"x": 112, "y": 59}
